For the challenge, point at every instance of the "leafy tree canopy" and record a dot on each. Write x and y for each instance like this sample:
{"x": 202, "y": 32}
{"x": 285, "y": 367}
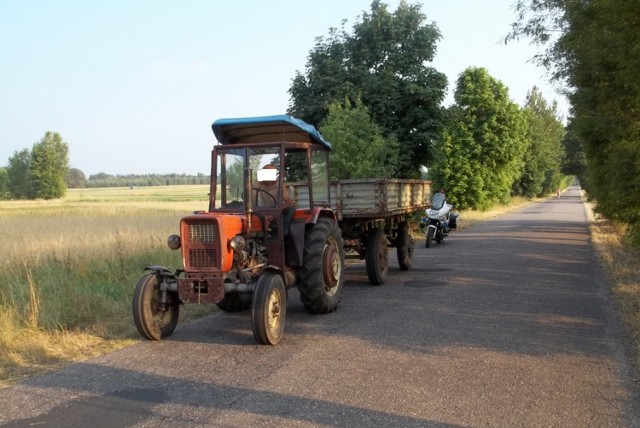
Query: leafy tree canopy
{"x": 481, "y": 152}
{"x": 4, "y": 183}
{"x": 384, "y": 63}
{"x": 18, "y": 171}
{"x": 40, "y": 172}
{"x": 359, "y": 148}
{"x": 595, "y": 56}
{"x": 545, "y": 151}
{"x": 76, "y": 179}
{"x": 49, "y": 166}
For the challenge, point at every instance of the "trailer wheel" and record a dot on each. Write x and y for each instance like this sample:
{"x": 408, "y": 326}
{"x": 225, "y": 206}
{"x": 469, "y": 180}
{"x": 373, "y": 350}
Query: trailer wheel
{"x": 269, "y": 309}
{"x": 405, "y": 245}
{"x": 321, "y": 277}
{"x": 377, "y": 256}
{"x": 429, "y": 237}
{"x": 152, "y": 321}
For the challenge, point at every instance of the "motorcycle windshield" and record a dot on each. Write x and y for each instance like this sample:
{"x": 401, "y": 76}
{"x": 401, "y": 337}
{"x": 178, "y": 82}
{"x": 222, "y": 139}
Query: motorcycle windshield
{"x": 437, "y": 201}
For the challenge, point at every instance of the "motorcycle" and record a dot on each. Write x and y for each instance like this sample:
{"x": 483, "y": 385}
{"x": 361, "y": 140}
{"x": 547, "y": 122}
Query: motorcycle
{"x": 439, "y": 220}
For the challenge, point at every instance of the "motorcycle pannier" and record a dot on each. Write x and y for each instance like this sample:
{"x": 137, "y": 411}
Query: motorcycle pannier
{"x": 453, "y": 221}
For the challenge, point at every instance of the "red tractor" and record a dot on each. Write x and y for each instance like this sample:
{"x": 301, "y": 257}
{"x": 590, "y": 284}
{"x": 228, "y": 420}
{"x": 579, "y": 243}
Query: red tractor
{"x": 253, "y": 243}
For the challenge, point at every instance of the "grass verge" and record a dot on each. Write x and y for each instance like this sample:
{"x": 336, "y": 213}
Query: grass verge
{"x": 620, "y": 262}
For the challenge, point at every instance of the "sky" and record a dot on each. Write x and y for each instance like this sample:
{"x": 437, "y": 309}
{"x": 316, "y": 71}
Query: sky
{"x": 133, "y": 86}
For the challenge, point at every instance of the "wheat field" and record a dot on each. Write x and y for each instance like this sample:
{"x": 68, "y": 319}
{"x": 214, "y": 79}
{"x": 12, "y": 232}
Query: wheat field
{"x": 69, "y": 268}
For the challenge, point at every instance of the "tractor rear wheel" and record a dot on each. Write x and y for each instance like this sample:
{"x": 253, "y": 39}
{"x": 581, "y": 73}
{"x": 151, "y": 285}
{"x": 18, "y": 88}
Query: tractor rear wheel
{"x": 321, "y": 277}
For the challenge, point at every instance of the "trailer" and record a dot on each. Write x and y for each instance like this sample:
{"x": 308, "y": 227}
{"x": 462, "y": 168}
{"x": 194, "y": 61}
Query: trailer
{"x": 375, "y": 215}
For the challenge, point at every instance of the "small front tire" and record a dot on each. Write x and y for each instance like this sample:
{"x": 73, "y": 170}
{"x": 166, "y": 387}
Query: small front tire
{"x": 269, "y": 309}
{"x": 154, "y": 320}
{"x": 430, "y": 232}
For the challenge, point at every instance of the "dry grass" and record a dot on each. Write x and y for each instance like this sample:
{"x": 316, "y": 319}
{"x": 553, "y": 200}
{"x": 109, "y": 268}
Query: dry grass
{"x": 622, "y": 265}
{"x": 69, "y": 268}
{"x": 26, "y": 351}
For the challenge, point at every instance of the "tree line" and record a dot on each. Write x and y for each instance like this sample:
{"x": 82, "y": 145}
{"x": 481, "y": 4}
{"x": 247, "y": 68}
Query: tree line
{"x": 134, "y": 180}
{"x": 39, "y": 173}
{"x": 590, "y": 48}
{"x": 44, "y": 173}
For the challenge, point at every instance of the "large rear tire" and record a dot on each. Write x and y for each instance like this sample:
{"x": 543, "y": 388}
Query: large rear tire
{"x": 152, "y": 320}
{"x": 321, "y": 278}
{"x": 269, "y": 309}
{"x": 405, "y": 245}
{"x": 377, "y": 256}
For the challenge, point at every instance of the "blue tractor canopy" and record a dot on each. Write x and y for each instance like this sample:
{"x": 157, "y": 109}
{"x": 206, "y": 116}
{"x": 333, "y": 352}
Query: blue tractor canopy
{"x": 266, "y": 129}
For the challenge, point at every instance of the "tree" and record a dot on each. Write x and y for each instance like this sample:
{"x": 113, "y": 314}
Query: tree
{"x": 76, "y": 179}
{"x": 49, "y": 166}
{"x": 18, "y": 171}
{"x": 4, "y": 184}
{"x": 384, "y": 64}
{"x": 594, "y": 57}
{"x": 575, "y": 162}
{"x": 481, "y": 153}
{"x": 545, "y": 151}
{"x": 359, "y": 149}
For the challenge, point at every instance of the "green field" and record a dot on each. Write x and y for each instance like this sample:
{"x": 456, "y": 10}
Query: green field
{"x": 69, "y": 268}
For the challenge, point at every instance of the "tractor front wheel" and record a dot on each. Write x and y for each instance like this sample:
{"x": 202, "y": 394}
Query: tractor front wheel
{"x": 154, "y": 319}
{"x": 269, "y": 309}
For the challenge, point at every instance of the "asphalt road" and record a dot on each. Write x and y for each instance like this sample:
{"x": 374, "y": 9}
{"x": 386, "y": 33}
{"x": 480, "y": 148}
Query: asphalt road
{"x": 506, "y": 324}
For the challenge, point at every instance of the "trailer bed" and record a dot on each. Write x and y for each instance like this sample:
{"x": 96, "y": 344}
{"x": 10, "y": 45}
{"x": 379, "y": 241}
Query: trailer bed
{"x": 371, "y": 198}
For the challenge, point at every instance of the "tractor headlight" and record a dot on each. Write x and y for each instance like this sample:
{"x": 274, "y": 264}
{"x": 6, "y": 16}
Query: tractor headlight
{"x": 237, "y": 243}
{"x": 173, "y": 241}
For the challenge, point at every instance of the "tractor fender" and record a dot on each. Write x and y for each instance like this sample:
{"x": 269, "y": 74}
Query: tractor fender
{"x": 316, "y": 212}
{"x": 162, "y": 271}
{"x": 289, "y": 277}
{"x": 169, "y": 279}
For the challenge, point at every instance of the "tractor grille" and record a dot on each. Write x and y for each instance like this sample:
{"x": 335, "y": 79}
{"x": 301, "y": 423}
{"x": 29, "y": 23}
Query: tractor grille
{"x": 203, "y": 232}
{"x": 202, "y": 258}
{"x": 203, "y": 246}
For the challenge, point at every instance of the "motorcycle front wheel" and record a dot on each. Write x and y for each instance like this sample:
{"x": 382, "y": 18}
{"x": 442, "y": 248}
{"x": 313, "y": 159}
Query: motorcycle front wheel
{"x": 430, "y": 233}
